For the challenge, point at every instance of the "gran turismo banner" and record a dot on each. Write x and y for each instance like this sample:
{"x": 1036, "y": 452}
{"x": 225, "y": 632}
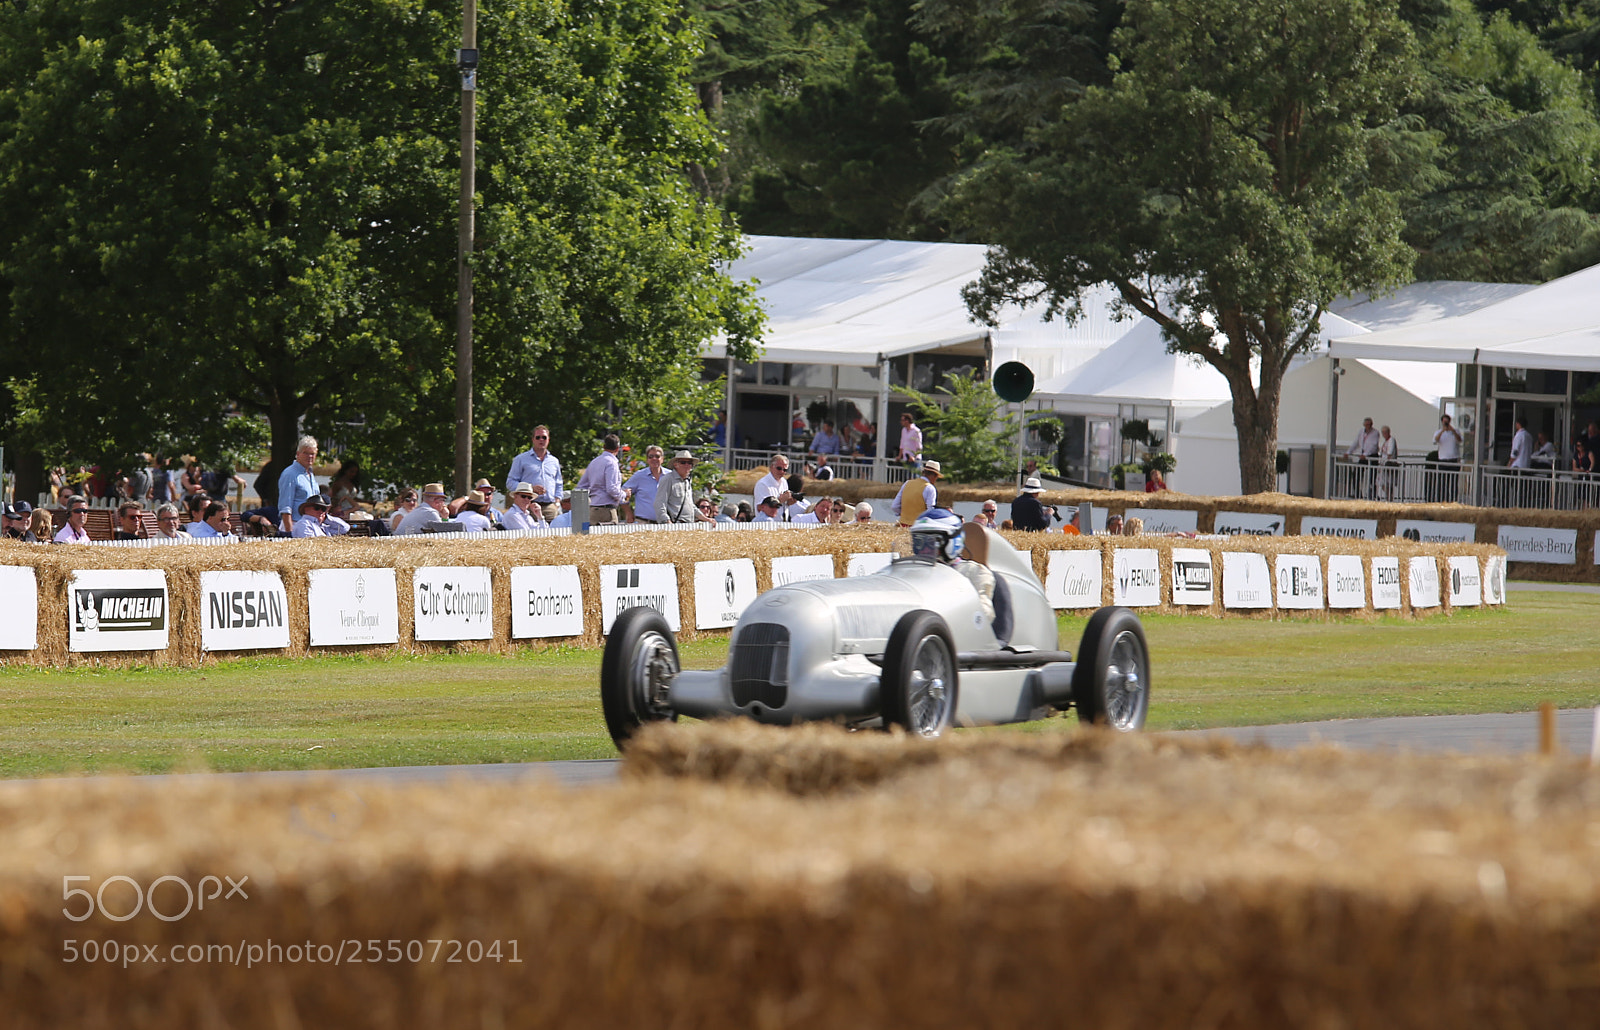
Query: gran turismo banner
{"x": 452, "y": 603}
{"x": 722, "y": 591}
{"x": 639, "y": 586}
{"x": 19, "y": 608}
{"x": 1073, "y": 579}
{"x": 353, "y": 606}
{"x": 118, "y": 610}
{"x": 546, "y": 601}
{"x": 242, "y": 611}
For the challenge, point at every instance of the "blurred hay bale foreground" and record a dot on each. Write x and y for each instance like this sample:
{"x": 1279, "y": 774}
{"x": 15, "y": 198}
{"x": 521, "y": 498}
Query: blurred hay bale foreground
{"x": 1005, "y": 881}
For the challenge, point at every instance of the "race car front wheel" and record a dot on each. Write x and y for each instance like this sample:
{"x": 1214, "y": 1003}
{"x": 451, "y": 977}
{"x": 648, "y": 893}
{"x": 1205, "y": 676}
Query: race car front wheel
{"x": 640, "y": 661}
{"x": 918, "y": 690}
{"x": 1111, "y": 684}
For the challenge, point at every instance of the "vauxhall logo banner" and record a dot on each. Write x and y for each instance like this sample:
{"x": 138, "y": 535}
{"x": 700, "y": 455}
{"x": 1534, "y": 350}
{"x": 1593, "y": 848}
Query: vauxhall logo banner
{"x": 1191, "y": 576}
{"x": 452, "y": 603}
{"x": 353, "y": 606}
{"x": 638, "y": 586}
{"x": 19, "y": 608}
{"x": 1136, "y": 577}
{"x": 118, "y": 610}
{"x": 722, "y": 591}
{"x": 1072, "y": 579}
{"x": 546, "y": 601}
{"x": 243, "y": 611}
{"x": 1246, "y": 583}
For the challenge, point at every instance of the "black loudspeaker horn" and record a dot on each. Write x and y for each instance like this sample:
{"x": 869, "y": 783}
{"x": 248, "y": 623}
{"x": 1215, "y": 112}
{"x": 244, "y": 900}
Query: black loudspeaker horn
{"x": 1013, "y": 382}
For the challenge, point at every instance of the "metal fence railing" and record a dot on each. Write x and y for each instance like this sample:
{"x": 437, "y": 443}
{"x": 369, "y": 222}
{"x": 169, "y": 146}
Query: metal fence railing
{"x": 1410, "y": 480}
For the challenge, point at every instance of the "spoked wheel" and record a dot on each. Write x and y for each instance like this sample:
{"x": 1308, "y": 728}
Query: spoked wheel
{"x": 1111, "y": 684}
{"x": 640, "y": 662}
{"x": 919, "y": 688}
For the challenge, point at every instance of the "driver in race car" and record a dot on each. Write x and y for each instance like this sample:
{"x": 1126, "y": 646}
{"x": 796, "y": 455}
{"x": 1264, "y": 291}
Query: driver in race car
{"x": 938, "y": 535}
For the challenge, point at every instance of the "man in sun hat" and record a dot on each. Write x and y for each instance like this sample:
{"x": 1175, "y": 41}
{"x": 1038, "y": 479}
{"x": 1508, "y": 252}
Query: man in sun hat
{"x": 432, "y": 509}
{"x": 523, "y": 513}
{"x": 675, "y": 492}
{"x": 917, "y": 495}
{"x": 1026, "y": 511}
{"x": 486, "y": 488}
{"x": 314, "y": 519}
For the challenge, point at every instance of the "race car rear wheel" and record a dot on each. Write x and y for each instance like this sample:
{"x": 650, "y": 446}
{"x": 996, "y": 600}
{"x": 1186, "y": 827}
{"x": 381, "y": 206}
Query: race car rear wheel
{"x": 640, "y": 661}
{"x": 1111, "y": 684}
{"x": 919, "y": 687}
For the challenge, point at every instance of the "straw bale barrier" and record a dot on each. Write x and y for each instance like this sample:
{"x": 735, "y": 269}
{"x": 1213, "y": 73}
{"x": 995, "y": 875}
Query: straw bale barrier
{"x": 1010, "y": 881}
{"x": 293, "y": 561}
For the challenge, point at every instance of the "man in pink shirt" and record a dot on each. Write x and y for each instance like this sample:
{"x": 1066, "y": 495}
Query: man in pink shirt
{"x": 910, "y": 441}
{"x": 603, "y": 480}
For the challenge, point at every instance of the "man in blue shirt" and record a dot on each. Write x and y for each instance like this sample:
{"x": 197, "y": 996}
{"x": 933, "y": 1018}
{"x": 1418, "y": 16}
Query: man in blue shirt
{"x": 540, "y": 469}
{"x": 643, "y": 483}
{"x": 213, "y": 524}
{"x": 297, "y": 482}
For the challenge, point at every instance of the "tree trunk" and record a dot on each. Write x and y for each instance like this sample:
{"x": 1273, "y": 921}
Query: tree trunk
{"x": 31, "y": 478}
{"x": 709, "y": 187}
{"x": 1255, "y": 420}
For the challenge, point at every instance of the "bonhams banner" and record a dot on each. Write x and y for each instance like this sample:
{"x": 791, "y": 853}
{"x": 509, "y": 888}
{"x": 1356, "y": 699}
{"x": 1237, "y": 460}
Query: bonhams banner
{"x": 353, "y": 606}
{"x": 722, "y": 591}
{"x": 639, "y": 586}
{"x": 1385, "y": 583}
{"x": 243, "y": 611}
{"x": 452, "y": 603}
{"x": 1424, "y": 583}
{"x": 1466, "y": 583}
{"x": 1537, "y": 544}
{"x": 800, "y": 568}
{"x": 1246, "y": 581}
{"x": 1347, "y": 582}
{"x": 546, "y": 601}
{"x": 19, "y": 608}
{"x": 1299, "y": 581}
{"x": 1136, "y": 577}
{"x": 1073, "y": 579}
{"x": 118, "y": 610}
{"x": 1191, "y": 576}
{"x": 1166, "y": 520}
{"x": 1346, "y": 529}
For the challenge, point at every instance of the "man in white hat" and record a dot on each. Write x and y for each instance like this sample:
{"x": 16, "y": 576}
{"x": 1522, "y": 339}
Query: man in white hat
{"x": 1026, "y": 511}
{"x": 432, "y": 509}
{"x": 523, "y": 513}
{"x": 675, "y": 492}
{"x": 911, "y": 501}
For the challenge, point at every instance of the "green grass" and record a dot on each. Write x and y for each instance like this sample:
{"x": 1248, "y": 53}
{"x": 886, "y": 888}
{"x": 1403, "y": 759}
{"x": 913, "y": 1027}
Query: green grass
{"x": 347, "y": 712}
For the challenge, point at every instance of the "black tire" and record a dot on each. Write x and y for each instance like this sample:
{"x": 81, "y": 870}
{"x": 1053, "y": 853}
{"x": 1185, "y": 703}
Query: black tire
{"x": 920, "y": 684}
{"x": 1111, "y": 683}
{"x": 640, "y": 653}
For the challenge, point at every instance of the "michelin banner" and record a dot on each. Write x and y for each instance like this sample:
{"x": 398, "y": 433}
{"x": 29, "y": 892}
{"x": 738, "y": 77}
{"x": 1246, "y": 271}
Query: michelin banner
{"x": 1246, "y": 581}
{"x": 1424, "y": 574}
{"x": 118, "y": 610}
{"x": 19, "y": 608}
{"x": 353, "y": 606}
{"x": 1073, "y": 579}
{"x": 1299, "y": 581}
{"x": 1191, "y": 576}
{"x": 1347, "y": 582}
{"x": 722, "y": 591}
{"x": 1136, "y": 577}
{"x": 242, "y": 611}
{"x": 639, "y": 586}
{"x": 1385, "y": 583}
{"x": 800, "y": 568}
{"x": 452, "y": 603}
{"x": 546, "y": 601}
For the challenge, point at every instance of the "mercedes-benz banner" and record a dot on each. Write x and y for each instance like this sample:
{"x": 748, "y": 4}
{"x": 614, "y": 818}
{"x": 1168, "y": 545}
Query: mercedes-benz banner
{"x": 242, "y": 611}
{"x": 118, "y": 610}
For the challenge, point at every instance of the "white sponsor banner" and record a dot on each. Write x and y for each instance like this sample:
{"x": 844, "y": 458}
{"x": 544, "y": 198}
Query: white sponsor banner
{"x": 1385, "y": 582}
{"x": 1347, "y": 582}
{"x": 1191, "y": 576}
{"x": 1346, "y": 529}
{"x": 19, "y": 608}
{"x": 1246, "y": 581}
{"x": 546, "y": 601}
{"x": 1166, "y": 520}
{"x": 1136, "y": 577}
{"x": 1247, "y": 523}
{"x": 240, "y": 611}
{"x": 1537, "y": 544}
{"x": 1424, "y": 582}
{"x": 801, "y": 568}
{"x": 1466, "y": 583}
{"x": 1074, "y": 579}
{"x": 1424, "y": 531}
{"x": 1299, "y": 581}
{"x": 452, "y": 603}
{"x": 722, "y": 591}
{"x": 118, "y": 610}
{"x": 1494, "y": 580}
{"x": 353, "y": 606}
{"x": 638, "y": 586}
{"x": 867, "y": 564}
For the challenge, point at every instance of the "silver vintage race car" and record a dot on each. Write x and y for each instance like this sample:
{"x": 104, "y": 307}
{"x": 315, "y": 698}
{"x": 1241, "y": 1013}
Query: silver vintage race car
{"x": 912, "y": 645}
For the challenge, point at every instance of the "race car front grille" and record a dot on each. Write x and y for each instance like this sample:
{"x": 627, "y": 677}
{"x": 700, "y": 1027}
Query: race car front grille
{"x": 760, "y": 664}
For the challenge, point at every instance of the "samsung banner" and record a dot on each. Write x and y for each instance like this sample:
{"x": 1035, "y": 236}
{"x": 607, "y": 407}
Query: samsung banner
{"x": 242, "y": 611}
{"x": 867, "y": 564}
{"x": 1424, "y": 583}
{"x": 118, "y": 610}
{"x": 1537, "y": 544}
{"x": 1466, "y": 584}
{"x": 353, "y": 606}
{"x": 1385, "y": 583}
{"x": 546, "y": 601}
{"x": 1348, "y": 529}
{"x": 1299, "y": 581}
{"x": 1166, "y": 520}
{"x": 452, "y": 603}
{"x": 638, "y": 586}
{"x": 1494, "y": 580}
{"x": 1246, "y": 582}
{"x": 19, "y": 608}
{"x": 1191, "y": 576}
{"x": 1136, "y": 577}
{"x": 799, "y": 568}
{"x": 1347, "y": 582}
{"x": 1073, "y": 579}
{"x": 722, "y": 591}
{"x": 1423, "y": 531}
{"x": 1247, "y": 523}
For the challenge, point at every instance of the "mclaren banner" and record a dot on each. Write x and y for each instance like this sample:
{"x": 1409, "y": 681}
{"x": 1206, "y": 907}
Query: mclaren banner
{"x": 243, "y": 611}
{"x": 118, "y": 610}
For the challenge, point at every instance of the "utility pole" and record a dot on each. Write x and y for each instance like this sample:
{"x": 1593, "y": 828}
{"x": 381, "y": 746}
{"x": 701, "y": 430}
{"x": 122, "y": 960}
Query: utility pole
{"x": 467, "y": 64}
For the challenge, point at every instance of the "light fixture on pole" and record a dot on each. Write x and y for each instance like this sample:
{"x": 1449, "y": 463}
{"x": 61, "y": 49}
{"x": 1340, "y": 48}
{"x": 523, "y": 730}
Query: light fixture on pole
{"x": 467, "y": 65}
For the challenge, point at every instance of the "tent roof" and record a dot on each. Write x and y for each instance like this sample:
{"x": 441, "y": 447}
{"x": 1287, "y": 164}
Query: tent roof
{"x": 1555, "y": 326}
{"x": 1138, "y": 369}
{"x": 850, "y": 302}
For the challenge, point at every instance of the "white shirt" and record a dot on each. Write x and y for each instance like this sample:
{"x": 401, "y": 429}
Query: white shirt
{"x": 474, "y": 522}
{"x": 1448, "y": 441}
{"x": 1366, "y": 443}
{"x": 1522, "y": 449}
{"x": 1389, "y": 449}
{"x": 516, "y": 518}
{"x": 770, "y": 485}
{"x": 930, "y": 496}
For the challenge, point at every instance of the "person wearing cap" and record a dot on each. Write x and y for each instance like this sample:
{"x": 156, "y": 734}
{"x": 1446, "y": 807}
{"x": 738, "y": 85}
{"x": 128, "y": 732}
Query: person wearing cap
{"x": 314, "y": 519}
{"x": 77, "y": 514}
{"x": 675, "y": 493}
{"x": 642, "y": 485}
{"x": 486, "y": 488}
{"x": 603, "y": 480}
{"x": 767, "y": 510}
{"x": 474, "y": 513}
{"x": 214, "y": 522}
{"x": 523, "y": 513}
{"x": 297, "y": 482}
{"x": 541, "y": 469}
{"x": 432, "y": 509}
{"x": 17, "y": 517}
{"x": 1026, "y": 511}
{"x": 911, "y": 501}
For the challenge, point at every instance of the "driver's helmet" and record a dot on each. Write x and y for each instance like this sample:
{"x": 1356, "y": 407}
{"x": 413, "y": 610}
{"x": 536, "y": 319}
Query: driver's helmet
{"x": 937, "y": 535}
